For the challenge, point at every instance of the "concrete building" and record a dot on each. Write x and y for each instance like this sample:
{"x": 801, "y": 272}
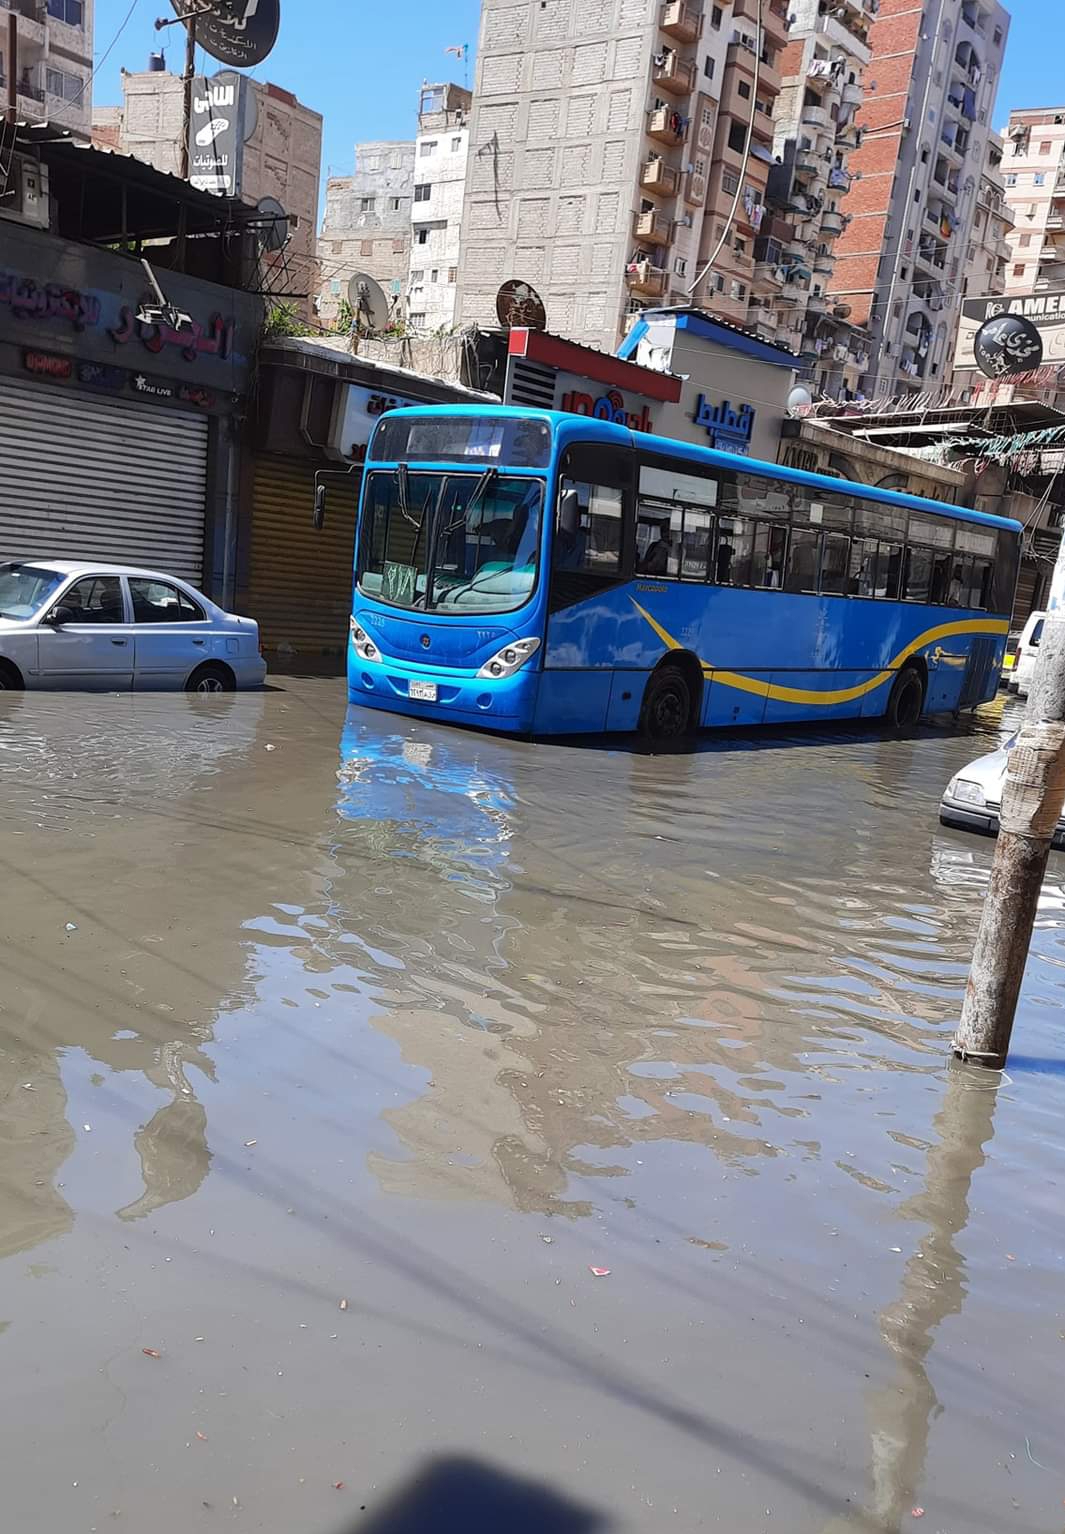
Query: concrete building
{"x": 614, "y": 146}
{"x": 900, "y": 260}
{"x": 367, "y": 224}
{"x": 53, "y": 68}
{"x": 280, "y": 159}
{"x": 989, "y": 249}
{"x": 823, "y": 67}
{"x": 440, "y": 153}
{"x": 1034, "y": 174}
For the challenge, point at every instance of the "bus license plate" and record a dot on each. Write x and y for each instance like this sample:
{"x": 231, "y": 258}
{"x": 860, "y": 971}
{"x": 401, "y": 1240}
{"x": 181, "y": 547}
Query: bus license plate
{"x": 423, "y": 692}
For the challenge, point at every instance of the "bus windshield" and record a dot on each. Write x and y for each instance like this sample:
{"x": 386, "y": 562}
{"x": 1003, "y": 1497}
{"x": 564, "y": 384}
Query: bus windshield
{"x": 451, "y": 542}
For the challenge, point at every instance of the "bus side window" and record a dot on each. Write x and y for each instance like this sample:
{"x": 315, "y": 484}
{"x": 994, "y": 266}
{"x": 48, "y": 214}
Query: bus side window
{"x": 770, "y": 548}
{"x": 861, "y": 582}
{"x": 918, "y": 576}
{"x": 735, "y": 546}
{"x": 835, "y": 554}
{"x": 888, "y": 570}
{"x": 801, "y": 572}
{"x": 595, "y": 544}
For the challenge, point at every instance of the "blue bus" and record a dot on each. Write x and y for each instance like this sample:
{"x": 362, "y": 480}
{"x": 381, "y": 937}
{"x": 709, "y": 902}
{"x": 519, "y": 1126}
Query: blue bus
{"x": 547, "y": 574}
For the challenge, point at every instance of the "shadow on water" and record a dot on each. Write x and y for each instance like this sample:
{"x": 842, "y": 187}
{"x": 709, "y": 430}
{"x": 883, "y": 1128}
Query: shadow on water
{"x": 465, "y": 1496}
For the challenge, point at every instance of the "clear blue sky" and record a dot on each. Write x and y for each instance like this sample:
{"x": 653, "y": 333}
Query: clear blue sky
{"x": 360, "y": 65}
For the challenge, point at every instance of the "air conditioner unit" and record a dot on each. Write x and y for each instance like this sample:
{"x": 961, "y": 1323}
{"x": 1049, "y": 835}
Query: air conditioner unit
{"x": 25, "y": 197}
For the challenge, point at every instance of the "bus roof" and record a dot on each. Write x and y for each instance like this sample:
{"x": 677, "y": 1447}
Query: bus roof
{"x": 583, "y": 428}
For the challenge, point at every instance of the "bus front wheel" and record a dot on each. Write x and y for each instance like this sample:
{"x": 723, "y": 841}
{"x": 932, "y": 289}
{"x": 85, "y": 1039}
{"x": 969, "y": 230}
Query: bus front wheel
{"x": 906, "y": 703}
{"x": 667, "y": 705}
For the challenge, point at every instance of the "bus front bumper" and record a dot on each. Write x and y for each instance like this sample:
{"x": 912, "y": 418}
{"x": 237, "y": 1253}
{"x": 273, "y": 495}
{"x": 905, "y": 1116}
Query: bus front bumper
{"x": 461, "y": 697}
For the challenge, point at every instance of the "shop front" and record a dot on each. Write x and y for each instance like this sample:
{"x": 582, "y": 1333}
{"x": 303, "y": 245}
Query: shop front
{"x": 118, "y": 439}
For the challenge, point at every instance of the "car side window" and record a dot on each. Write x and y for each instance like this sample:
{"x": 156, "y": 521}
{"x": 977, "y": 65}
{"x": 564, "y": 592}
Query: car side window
{"x": 95, "y": 599}
{"x": 159, "y": 602}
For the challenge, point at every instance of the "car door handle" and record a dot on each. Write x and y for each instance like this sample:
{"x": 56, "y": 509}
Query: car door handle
{"x": 119, "y": 641}
{"x": 198, "y": 641}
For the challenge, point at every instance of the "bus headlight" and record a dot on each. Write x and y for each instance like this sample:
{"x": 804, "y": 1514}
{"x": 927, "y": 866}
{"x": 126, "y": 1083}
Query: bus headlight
{"x": 508, "y": 660}
{"x": 364, "y": 645}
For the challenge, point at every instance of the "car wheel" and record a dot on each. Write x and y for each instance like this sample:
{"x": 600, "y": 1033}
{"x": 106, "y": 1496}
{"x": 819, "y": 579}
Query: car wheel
{"x": 906, "y": 703}
{"x": 211, "y": 679}
{"x": 667, "y": 705}
{"x": 10, "y": 679}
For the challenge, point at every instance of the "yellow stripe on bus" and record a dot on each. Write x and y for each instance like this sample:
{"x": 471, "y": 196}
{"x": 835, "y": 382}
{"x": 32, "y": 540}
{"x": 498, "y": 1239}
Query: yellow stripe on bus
{"x": 826, "y": 698}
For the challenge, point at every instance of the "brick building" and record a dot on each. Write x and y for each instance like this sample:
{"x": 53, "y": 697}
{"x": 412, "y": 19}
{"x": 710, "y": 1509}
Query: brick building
{"x": 925, "y": 121}
{"x": 367, "y": 224}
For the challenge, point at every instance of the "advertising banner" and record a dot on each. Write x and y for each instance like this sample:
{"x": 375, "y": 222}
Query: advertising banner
{"x": 223, "y": 120}
{"x": 1010, "y": 337}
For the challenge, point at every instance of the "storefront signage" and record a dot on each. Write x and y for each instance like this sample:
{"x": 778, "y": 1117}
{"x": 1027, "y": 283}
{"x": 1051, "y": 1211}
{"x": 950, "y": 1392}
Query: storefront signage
{"x": 358, "y": 412}
{"x": 45, "y": 365}
{"x": 98, "y": 375}
{"x": 224, "y": 116}
{"x": 729, "y": 430}
{"x": 29, "y": 299}
{"x": 142, "y": 385}
{"x": 215, "y": 339}
{"x": 609, "y": 406}
{"x": 1009, "y": 347}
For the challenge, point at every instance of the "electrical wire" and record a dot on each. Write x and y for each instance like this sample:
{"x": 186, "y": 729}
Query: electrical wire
{"x": 76, "y": 100}
{"x": 746, "y": 151}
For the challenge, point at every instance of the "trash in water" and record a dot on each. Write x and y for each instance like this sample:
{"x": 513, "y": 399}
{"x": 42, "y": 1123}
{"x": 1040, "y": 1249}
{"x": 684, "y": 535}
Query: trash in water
{"x": 271, "y": 748}
{"x": 71, "y": 927}
{"x": 916, "y": 1512}
{"x": 249, "y": 1143}
{"x": 599, "y": 1272}
{"x": 343, "y": 1304}
{"x": 201, "y": 1436}
{"x": 547, "y": 1240}
{"x": 151, "y": 1353}
{"x": 338, "y": 1485}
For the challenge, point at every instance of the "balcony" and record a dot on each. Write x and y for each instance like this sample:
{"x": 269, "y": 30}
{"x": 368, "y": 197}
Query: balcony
{"x": 654, "y": 226}
{"x": 33, "y": 15}
{"x": 774, "y": 18}
{"x": 644, "y": 277}
{"x": 664, "y": 125}
{"x": 832, "y": 223}
{"x": 816, "y": 303}
{"x": 849, "y": 135}
{"x": 770, "y": 274}
{"x": 824, "y": 264}
{"x": 853, "y": 95}
{"x": 674, "y": 74}
{"x": 815, "y": 116}
{"x": 681, "y": 21}
{"x": 806, "y": 166}
{"x": 656, "y": 176}
{"x": 1055, "y": 222}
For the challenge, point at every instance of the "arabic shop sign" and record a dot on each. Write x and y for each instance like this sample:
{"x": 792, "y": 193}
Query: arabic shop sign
{"x": 112, "y": 380}
{"x": 224, "y": 115}
{"x": 610, "y": 406}
{"x": 729, "y": 430}
{"x": 358, "y": 411}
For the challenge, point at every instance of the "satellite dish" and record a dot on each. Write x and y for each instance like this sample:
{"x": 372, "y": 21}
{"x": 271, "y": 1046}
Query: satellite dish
{"x": 520, "y": 306}
{"x": 369, "y": 306}
{"x": 241, "y": 33}
{"x": 274, "y": 233}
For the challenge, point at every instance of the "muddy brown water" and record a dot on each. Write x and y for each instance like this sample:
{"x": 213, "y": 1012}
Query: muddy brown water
{"x": 301, "y": 1008}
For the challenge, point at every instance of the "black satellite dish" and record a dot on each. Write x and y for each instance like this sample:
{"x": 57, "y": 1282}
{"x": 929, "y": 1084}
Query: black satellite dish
{"x": 1007, "y": 344}
{"x": 519, "y": 306}
{"x": 274, "y": 230}
{"x": 241, "y": 33}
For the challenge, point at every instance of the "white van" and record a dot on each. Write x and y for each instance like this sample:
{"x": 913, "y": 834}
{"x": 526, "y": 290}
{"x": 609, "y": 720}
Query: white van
{"x": 1027, "y": 651}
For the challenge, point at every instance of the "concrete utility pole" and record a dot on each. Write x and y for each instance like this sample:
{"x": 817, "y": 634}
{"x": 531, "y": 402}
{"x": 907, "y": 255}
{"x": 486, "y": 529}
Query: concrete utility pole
{"x": 1032, "y": 800}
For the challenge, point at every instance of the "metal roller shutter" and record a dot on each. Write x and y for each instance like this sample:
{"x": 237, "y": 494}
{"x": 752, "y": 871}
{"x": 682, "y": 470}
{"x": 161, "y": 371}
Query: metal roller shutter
{"x": 300, "y": 580}
{"x": 85, "y": 476}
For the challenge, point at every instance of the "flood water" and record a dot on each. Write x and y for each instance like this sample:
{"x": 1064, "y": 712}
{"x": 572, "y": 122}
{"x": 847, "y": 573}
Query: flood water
{"x": 336, "y": 1051}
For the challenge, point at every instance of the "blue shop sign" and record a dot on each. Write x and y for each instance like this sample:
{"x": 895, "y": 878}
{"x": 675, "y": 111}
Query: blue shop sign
{"x": 728, "y": 429}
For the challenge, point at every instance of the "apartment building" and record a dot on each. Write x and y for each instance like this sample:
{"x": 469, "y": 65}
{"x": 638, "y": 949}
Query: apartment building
{"x": 440, "y": 155}
{"x": 53, "y": 67}
{"x": 925, "y": 121}
{"x": 990, "y": 249}
{"x": 817, "y": 131}
{"x": 617, "y": 149}
{"x": 272, "y": 147}
{"x": 1033, "y": 169}
{"x": 367, "y": 225}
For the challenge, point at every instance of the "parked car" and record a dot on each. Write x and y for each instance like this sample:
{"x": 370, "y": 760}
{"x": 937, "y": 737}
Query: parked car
{"x": 974, "y": 796}
{"x": 1027, "y": 653}
{"x": 108, "y": 628}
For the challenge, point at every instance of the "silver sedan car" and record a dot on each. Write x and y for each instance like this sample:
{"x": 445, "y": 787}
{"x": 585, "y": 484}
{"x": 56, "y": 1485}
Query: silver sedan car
{"x": 108, "y": 628}
{"x": 973, "y": 798}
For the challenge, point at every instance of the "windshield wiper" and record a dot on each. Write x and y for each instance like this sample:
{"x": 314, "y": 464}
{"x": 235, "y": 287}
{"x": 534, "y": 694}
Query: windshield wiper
{"x": 488, "y": 477}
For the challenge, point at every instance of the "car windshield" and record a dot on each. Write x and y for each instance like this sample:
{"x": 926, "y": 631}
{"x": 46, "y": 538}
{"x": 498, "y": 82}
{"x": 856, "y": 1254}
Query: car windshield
{"x": 451, "y": 543}
{"x": 24, "y": 589}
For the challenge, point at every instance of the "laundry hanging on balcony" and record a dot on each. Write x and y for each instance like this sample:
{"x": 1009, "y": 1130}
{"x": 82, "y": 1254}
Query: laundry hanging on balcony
{"x": 968, "y": 104}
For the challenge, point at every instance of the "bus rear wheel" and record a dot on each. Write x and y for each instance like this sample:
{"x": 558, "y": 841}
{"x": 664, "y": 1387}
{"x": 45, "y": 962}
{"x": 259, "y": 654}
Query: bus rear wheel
{"x": 667, "y": 705}
{"x": 906, "y": 703}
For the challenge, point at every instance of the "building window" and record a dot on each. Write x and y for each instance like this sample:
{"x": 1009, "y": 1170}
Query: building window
{"x": 334, "y": 286}
{"x": 708, "y": 117}
{"x": 452, "y": 274}
{"x": 427, "y": 147}
{"x": 997, "y": 35}
{"x": 434, "y": 275}
{"x": 1044, "y": 147}
{"x": 715, "y": 17}
{"x": 717, "y": 282}
{"x": 421, "y": 193}
{"x": 395, "y": 203}
{"x": 421, "y": 235}
{"x": 1025, "y": 239}
{"x": 1018, "y": 270}
{"x": 398, "y": 247}
{"x": 57, "y": 83}
{"x": 739, "y": 245}
{"x": 737, "y": 290}
{"x": 1040, "y": 178}
{"x": 743, "y": 89}
{"x": 737, "y": 137}
{"x": 70, "y": 11}
{"x": 708, "y": 67}
{"x": 1011, "y": 179}
{"x": 366, "y": 247}
{"x": 456, "y": 143}
{"x": 366, "y": 204}
{"x": 680, "y": 266}
{"x": 729, "y": 181}
{"x": 432, "y": 100}
{"x": 418, "y": 276}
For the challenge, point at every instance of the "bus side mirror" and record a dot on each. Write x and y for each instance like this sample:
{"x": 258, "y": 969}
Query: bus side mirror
{"x": 319, "y": 508}
{"x": 569, "y": 513}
